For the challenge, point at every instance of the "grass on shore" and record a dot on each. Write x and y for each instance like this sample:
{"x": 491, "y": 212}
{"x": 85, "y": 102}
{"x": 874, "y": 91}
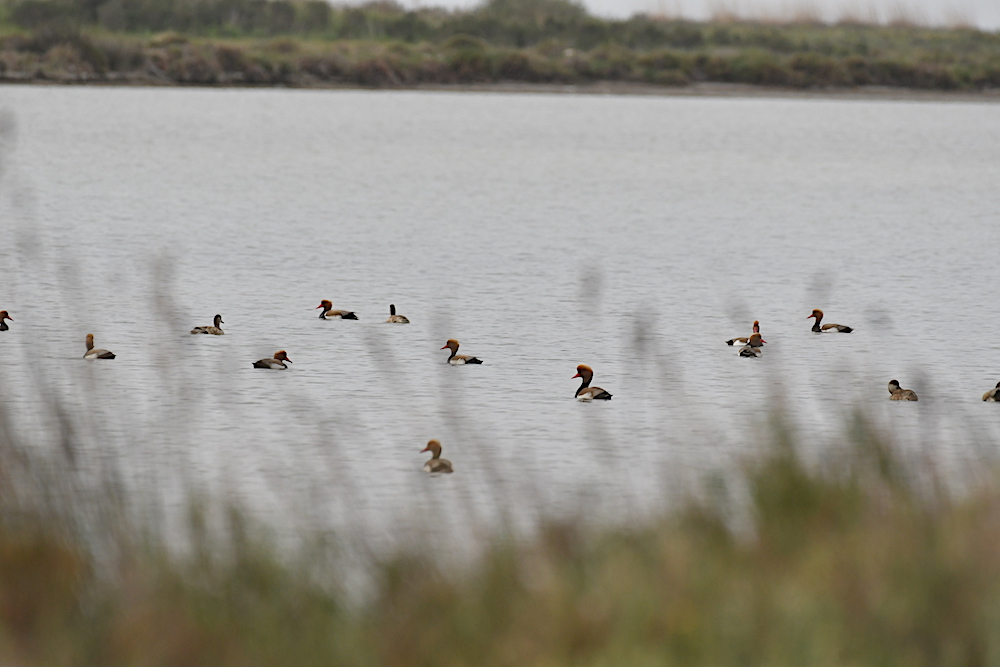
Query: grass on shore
{"x": 530, "y": 41}
{"x": 80, "y": 57}
{"x": 847, "y": 562}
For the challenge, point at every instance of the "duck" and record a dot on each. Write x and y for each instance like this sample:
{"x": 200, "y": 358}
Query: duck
{"x": 898, "y": 394}
{"x": 993, "y": 395}
{"x": 330, "y": 314}
{"x": 827, "y": 328}
{"x": 215, "y": 330}
{"x": 96, "y": 353}
{"x": 394, "y": 318}
{"x": 456, "y": 359}
{"x": 436, "y": 463}
{"x": 745, "y": 339}
{"x": 754, "y": 346}
{"x": 278, "y": 361}
{"x": 587, "y": 393}
{"x": 4, "y": 316}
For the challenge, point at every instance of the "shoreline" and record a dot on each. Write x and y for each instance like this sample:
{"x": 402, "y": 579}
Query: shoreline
{"x": 624, "y": 88}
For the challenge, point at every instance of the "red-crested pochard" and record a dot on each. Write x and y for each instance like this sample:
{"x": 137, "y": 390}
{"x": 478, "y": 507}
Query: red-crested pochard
{"x": 754, "y": 347}
{"x": 436, "y": 463}
{"x": 827, "y": 328}
{"x": 278, "y": 361}
{"x": 394, "y": 318}
{"x": 330, "y": 314}
{"x": 456, "y": 359}
{"x": 743, "y": 340}
{"x": 898, "y": 394}
{"x": 4, "y": 316}
{"x": 215, "y": 330}
{"x": 586, "y": 392}
{"x": 993, "y": 395}
{"x": 95, "y": 353}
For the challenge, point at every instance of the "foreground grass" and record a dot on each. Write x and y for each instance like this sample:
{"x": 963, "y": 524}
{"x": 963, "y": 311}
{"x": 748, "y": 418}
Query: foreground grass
{"x": 850, "y": 563}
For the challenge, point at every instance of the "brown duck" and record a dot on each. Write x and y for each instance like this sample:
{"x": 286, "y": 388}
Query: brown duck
{"x": 436, "y": 463}
{"x": 898, "y": 394}
{"x": 330, "y": 314}
{"x": 96, "y": 353}
{"x": 743, "y": 340}
{"x": 827, "y": 328}
{"x": 586, "y": 392}
{"x": 278, "y": 361}
{"x": 456, "y": 359}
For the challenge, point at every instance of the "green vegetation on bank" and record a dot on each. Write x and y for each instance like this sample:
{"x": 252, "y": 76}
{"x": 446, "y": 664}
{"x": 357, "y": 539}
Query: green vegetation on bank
{"x": 309, "y": 42}
{"x": 856, "y": 561}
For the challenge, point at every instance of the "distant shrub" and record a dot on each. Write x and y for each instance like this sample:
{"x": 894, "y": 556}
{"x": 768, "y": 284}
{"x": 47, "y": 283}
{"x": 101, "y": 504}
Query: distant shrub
{"x": 122, "y": 55}
{"x": 36, "y": 13}
{"x": 858, "y": 71}
{"x": 758, "y": 68}
{"x": 817, "y": 70}
{"x": 913, "y": 75}
{"x": 316, "y": 16}
{"x": 169, "y": 38}
{"x": 231, "y": 59}
{"x": 664, "y": 60}
{"x": 669, "y": 77}
{"x": 611, "y": 62}
{"x": 464, "y": 42}
{"x": 375, "y": 72}
{"x": 470, "y": 66}
{"x": 684, "y": 35}
{"x": 323, "y": 67}
{"x": 282, "y": 45}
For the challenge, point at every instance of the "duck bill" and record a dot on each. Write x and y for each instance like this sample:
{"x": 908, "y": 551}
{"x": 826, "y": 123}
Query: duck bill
{"x": 576, "y": 376}
{"x": 445, "y": 347}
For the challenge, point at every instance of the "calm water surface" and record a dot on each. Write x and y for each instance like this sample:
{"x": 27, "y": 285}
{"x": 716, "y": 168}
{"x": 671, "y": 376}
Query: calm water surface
{"x": 635, "y": 234}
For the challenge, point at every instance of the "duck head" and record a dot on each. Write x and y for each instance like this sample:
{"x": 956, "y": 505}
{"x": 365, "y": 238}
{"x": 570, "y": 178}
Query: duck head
{"x": 434, "y": 447}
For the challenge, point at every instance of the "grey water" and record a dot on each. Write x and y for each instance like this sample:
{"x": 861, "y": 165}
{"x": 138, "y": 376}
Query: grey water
{"x": 633, "y": 234}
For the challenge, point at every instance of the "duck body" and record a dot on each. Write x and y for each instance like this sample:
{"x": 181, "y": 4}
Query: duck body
{"x": 743, "y": 340}
{"x": 586, "y": 393}
{"x": 456, "y": 359}
{"x": 394, "y": 318}
{"x": 4, "y": 316}
{"x": 896, "y": 393}
{"x": 436, "y": 463}
{"x": 214, "y": 330}
{"x": 754, "y": 346}
{"x": 330, "y": 314}
{"x": 993, "y": 395}
{"x": 278, "y": 361}
{"x": 827, "y": 328}
{"x": 96, "y": 353}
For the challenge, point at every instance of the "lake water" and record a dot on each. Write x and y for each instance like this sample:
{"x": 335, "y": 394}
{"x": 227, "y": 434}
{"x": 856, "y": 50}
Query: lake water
{"x": 634, "y": 234}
